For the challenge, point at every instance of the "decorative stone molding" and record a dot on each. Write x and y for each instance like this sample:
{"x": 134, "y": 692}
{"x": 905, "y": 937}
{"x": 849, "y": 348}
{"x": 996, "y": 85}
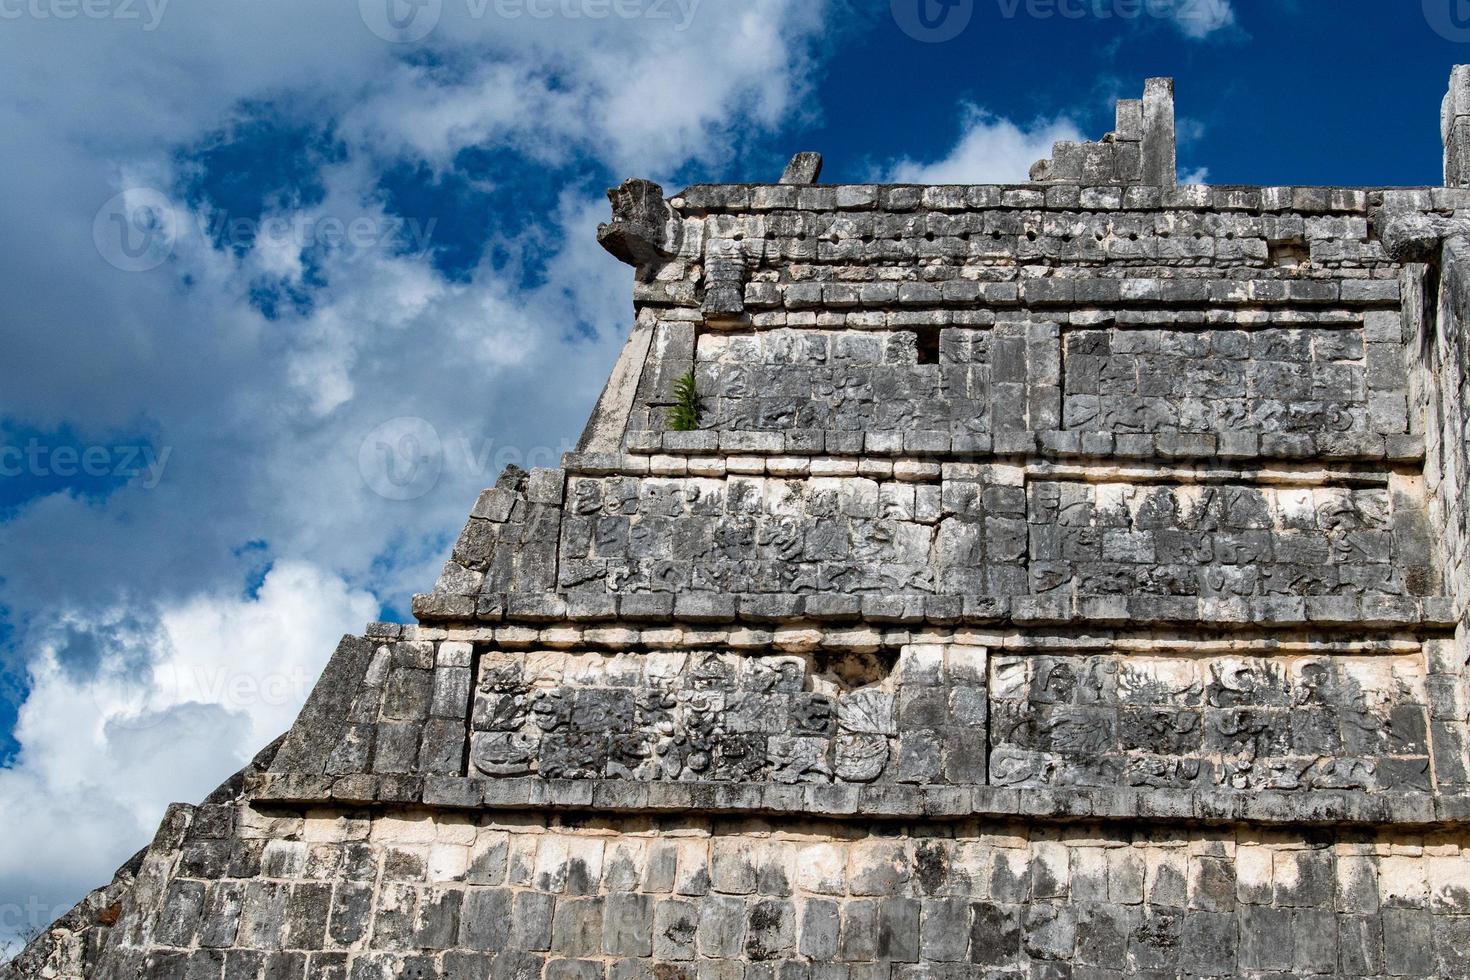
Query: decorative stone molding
{"x": 724, "y": 282}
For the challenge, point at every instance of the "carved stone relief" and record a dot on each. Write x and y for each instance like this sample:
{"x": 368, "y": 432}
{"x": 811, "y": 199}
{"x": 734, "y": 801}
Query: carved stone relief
{"x": 1195, "y": 723}
{"x": 706, "y": 715}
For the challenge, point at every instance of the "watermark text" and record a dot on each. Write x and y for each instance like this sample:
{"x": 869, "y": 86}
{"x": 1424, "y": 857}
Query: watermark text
{"x": 408, "y": 21}
{"x": 148, "y": 13}
{"x": 141, "y": 465}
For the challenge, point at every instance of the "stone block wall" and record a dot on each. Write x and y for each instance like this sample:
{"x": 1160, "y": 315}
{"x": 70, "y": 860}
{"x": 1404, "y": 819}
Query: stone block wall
{"x": 1269, "y": 377}
{"x": 341, "y": 894}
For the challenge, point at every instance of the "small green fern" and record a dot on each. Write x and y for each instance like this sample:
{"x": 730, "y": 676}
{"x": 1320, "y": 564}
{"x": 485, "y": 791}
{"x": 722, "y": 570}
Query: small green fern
{"x": 684, "y": 415}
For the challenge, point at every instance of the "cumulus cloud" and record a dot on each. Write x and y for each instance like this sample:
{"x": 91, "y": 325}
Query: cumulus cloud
{"x": 1198, "y": 19}
{"x": 124, "y": 715}
{"x": 990, "y": 149}
{"x": 132, "y": 615}
{"x": 600, "y": 87}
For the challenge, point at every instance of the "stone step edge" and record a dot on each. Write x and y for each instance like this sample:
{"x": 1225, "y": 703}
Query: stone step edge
{"x": 1103, "y": 298}
{"x": 794, "y": 611}
{"x": 742, "y": 198}
{"x": 1376, "y": 300}
{"x": 1313, "y": 807}
{"x": 912, "y": 454}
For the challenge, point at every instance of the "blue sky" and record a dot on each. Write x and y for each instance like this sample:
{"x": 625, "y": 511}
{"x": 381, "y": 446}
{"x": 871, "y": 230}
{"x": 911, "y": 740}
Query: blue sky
{"x": 355, "y": 276}
{"x": 1291, "y": 93}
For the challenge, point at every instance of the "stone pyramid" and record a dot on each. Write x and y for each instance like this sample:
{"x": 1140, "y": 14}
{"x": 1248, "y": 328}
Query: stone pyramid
{"x": 1053, "y": 580}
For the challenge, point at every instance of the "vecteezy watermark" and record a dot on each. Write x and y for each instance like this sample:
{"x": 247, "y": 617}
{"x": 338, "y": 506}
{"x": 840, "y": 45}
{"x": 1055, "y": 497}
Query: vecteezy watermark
{"x": 1450, "y": 19}
{"x": 1197, "y": 16}
{"x": 932, "y": 21}
{"x": 401, "y": 21}
{"x": 139, "y": 230}
{"x": 407, "y": 21}
{"x": 136, "y": 705}
{"x": 136, "y": 230}
{"x": 233, "y": 687}
{"x": 27, "y": 919}
{"x": 404, "y": 458}
{"x": 141, "y": 465}
{"x": 149, "y": 13}
{"x": 401, "y": 459}
{"x": 348, "y": 236}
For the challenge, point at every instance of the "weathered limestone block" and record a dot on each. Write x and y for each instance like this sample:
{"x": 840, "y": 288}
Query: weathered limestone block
{"x": 1455, "y": 128}
{"x": 1412, "y": 236}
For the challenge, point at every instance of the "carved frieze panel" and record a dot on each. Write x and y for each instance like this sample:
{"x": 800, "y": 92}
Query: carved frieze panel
{"x": 1231, "y": 540}
{"x": 982, "y": 536}
{"x": 1239, "y": 723}
{"x": 1306, "y": 379}
{"x": 711, "y": 716}
{"x": 769, "y": 535}
{"x": 1332, "y": 379}
{"x": 869, "y": 380}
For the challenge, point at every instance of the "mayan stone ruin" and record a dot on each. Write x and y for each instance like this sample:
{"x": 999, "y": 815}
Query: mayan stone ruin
{"x": 1063, "y": 579}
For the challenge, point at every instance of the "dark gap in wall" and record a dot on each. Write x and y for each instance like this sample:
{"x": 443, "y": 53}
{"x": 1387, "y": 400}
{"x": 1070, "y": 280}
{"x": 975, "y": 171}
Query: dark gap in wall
{"x": 1288, "y": 252}
{"x": 927, "y": 344}
{"x": 853, "y": 670}
{"x": 469, "y": 711}
{"x": 1429, "y": 315}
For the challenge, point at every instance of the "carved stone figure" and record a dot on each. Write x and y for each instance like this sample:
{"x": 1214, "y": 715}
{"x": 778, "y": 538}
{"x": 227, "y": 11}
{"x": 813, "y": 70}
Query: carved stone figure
{"x": 503, "y": 753}
{"x": 859, "y": 758}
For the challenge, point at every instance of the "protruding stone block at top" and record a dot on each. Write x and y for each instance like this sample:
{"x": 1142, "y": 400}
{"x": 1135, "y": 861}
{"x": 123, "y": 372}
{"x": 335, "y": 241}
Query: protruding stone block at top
{"x": 638, "y": 233}
{"x": 804, "y": 168}
{"x": 1455, "y": 128}
{"x": 1140, "y": 151}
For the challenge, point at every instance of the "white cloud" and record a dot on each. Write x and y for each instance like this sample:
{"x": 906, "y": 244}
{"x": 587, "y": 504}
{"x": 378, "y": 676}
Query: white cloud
{"x": 991, "y": 149}
{"x": 161, "y": 713}
{"x": 1198, "y": 19}
{"x": 650, "y": 98}
{"x": 263, "y": 420}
